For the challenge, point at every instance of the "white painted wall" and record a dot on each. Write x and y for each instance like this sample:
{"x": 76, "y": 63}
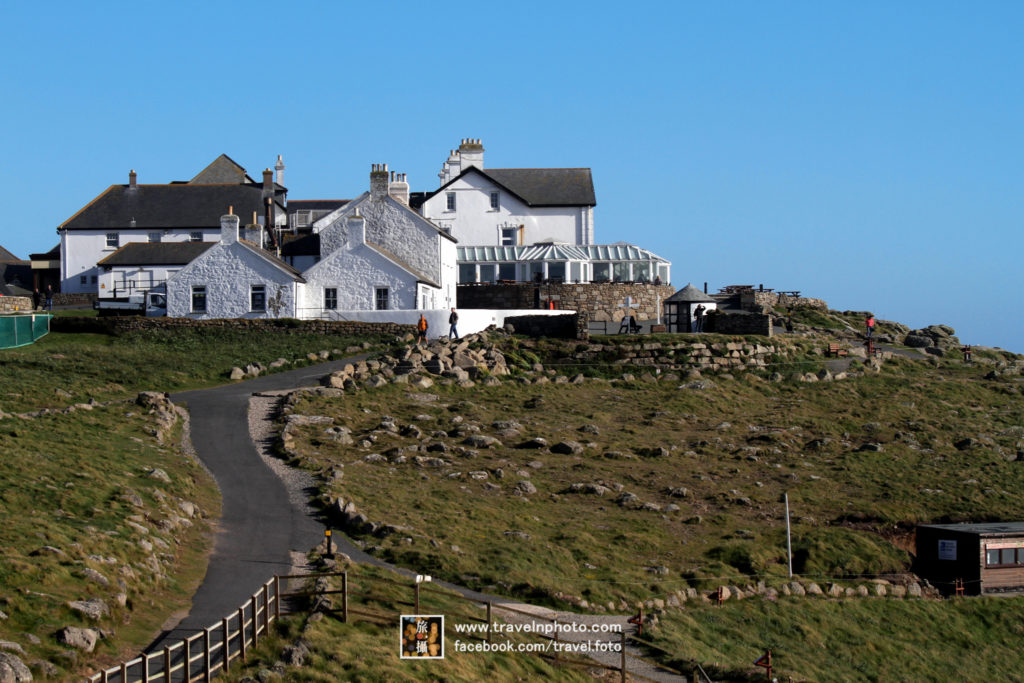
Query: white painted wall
{"x": 228, "y": 271}
{"x": 80, "y": 250}
{"x": 470, "y": 319}
{"x": 474, "y": 222}
{"x": 113, "y": 282}
{"x": 356, "y": 272}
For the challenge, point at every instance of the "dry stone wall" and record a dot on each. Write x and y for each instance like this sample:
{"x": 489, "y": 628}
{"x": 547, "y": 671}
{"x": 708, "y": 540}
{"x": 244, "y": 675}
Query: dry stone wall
{"x": 717, "y": 356}
{"x": 15, "y": 304}
{"x": 602, "y": 302}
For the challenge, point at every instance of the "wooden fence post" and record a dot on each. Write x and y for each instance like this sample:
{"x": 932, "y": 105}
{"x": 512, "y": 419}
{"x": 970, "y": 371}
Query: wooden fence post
{"x": 622, "y": 645}
{"x": 344, "y": 597}
{"x": 206, "y": 654}
{"x": 145, "y": 668}
{"x": 226, "y": 642}
{"x": 266, "y": 609}
{"x": 255, "y": 623}
{"x": 167, "y": 664}
{"x": 124, "y": 672}
{"x": 277, "y": 596}
{"x": 241, "y": 632}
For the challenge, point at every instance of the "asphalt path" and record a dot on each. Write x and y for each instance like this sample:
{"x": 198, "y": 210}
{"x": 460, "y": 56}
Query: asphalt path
{"x": 259, "y": 526}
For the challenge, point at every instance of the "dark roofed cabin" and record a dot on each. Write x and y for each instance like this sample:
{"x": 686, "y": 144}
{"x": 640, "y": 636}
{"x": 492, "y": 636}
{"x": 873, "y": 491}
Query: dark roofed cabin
{"x": 988, "y": 557}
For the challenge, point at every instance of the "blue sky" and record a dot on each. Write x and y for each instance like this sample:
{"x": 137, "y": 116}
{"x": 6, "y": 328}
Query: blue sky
{"x": 866, "y": 153}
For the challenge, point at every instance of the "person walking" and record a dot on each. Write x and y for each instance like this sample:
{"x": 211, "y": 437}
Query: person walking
{"x": 870, "y": 324}
{"x": 453, "y": 320}
{"x": 421, "y": 328}
{"x": 49, "y": 298}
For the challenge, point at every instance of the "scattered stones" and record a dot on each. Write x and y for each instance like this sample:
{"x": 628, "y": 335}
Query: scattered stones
{"x": 79, "y": 638}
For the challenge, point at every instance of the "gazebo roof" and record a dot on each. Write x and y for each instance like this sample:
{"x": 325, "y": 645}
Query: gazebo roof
{"x": 690, "y": 295}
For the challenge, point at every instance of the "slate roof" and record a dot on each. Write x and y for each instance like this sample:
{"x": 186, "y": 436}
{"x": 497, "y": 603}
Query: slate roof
{"x": 222, "y": 170}
{"x": 167, "y": 206}
{"x": 315, "y": 204}
{"x": 52, "y": 255}
{"x": 692, "y": 295}
{"x": 982, "y": 528}
{"x": 7, "y": 256}
{"x": 155, "y": 254}
{"x": 537, "y": 186}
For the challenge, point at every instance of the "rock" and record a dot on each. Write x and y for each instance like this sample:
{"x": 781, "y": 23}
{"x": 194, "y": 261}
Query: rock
{"x": 870, "y": 448}
{"x": 94, "y": 609}
{"x": 236, "y": 373}
{"x": 159, "y": 475}
{"x": 835, "y": 590}
{"x": 567, "y": 448}
{"x": 967, "y": 444}
{"x": 917, "y": 341}
{"x": 13, "y": 670}
{"x": 481, "y": 441}
{"x": 80, "y": 638}
{"x": 796, "y": 588}
{"x": 914, "y": 590}
{"x": 536, "y": 442}
{"x": 94, "y": 576}
{"x": 899, "y": 591}
{"x": 11, "y": 647}
{"x": 678, "y": 492}
{"x": 814, "y": 589}
{"x": 525, "y": 488}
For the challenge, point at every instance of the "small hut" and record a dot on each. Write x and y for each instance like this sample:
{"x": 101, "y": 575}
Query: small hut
{"x": 680, "y": 306}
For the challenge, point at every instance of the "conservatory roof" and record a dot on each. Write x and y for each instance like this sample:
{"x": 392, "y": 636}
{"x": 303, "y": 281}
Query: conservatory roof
{"x": 557, "y": 251}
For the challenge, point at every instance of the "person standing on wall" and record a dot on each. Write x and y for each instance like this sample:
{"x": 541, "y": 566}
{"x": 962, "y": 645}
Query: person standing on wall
{"x": 870, "y": 324}
{"x": 453, "y": 320}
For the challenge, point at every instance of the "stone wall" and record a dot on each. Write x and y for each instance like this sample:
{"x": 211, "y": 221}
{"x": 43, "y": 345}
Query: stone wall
{"x": 681, "y": 355}
{"x": 739, "y": 323}
{"x": 72, "y": 299}
{"x": 763, "y": 302}
{"x": 12, "y": 304}
{"x": 600, "y": 301}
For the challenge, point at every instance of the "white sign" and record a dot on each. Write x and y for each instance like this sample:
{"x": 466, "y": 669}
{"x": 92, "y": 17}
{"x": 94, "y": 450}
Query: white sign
{"x": 947, "y": 550}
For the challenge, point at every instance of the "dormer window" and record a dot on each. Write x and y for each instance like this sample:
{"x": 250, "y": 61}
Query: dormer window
{"x": 113, "y": 240}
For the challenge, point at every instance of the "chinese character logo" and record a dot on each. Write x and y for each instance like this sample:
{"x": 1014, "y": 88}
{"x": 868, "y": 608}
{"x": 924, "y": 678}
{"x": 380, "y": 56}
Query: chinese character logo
{"x": 422, "y": 636}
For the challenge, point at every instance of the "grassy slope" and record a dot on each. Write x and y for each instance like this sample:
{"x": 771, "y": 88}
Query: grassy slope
{"x": 735, "y": 447}
{"x": 62, "y": 477}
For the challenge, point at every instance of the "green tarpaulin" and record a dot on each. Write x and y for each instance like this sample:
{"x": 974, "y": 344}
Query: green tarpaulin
{"x": 19, "y": 330}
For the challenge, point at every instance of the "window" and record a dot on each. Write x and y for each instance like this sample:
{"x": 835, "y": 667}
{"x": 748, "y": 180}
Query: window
{"x": 302, "y": 218}
{"x": 467, "y": 272}
{"x": 507, "y": 271}
{"x": 381, "y": 303}
{"x": 257, "y": 298}
{"x": 1003, "y": 557}
{"x": 487, "y": 272}
{"x": 602, "y": 272}
{"x": 154, "y": 237}
{"x": 508, "y": 237}
{"x": 195, "y": 236}
{"x": 83, "y": 279}
{"x": 199, "y": 298}
{"x": 451, "y": 201}
{"x": 95, "y": 279}
{"x": 330, "y": 298}
{"x": 495, "y": 200}
{"x": 113, "y": 240}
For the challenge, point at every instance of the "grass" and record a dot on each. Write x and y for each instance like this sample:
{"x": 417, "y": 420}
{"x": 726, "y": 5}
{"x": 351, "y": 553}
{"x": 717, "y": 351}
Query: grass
{"x": 65, "y": 368}
{"x": 875, "y": 639}
{"x": 368, "y": 650}
{"x": 74, "y": 483}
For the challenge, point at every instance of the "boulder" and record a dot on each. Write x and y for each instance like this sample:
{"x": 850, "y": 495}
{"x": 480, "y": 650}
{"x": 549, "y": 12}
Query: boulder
{"x": 13, "y": 670}
{"x": 79, "y": 638}
{"x": 567, "y": 448}
{"x": 94, "y": 609}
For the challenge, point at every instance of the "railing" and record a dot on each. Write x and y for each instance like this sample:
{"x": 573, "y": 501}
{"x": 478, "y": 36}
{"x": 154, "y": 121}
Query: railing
{"x": 201, "y": 656}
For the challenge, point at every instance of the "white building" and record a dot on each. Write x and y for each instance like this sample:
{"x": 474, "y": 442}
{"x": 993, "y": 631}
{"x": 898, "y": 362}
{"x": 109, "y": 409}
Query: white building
{"x": 376, "y": 253}
{"x": 139, "y": 266}
{"x": 234, "y": 279}
{"x": 510, "y": 206}
{"x": 174, "y": 212}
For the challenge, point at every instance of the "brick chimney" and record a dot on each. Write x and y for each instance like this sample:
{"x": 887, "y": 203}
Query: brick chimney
{"x": 279, "y": 167}
{"x": 268, "y": 183}
{"x": 355, "y": 226}
{"x": 399, "y": 188}
{"x": 471, "y": 153}
{"x": 229, "y": 229}
{"x": 132, "y": 180}
{"x": 379, "y": 182}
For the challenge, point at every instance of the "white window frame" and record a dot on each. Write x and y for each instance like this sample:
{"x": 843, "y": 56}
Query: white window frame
{"x": 257, "y": 298}
{"x": 113, "y": 240}
{"x": 495, "y": 200}
{"x": 330, "y": 298}
{"x": 449, "y": 199}
{"x": 154, "y": 238}
{"x": 195, "y": 236}
{"x": 199, "y": 291}
{"x": 377, "y": 296}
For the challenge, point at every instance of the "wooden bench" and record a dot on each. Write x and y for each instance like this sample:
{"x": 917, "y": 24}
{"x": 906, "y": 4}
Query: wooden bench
{"x": 834, "y": 350}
